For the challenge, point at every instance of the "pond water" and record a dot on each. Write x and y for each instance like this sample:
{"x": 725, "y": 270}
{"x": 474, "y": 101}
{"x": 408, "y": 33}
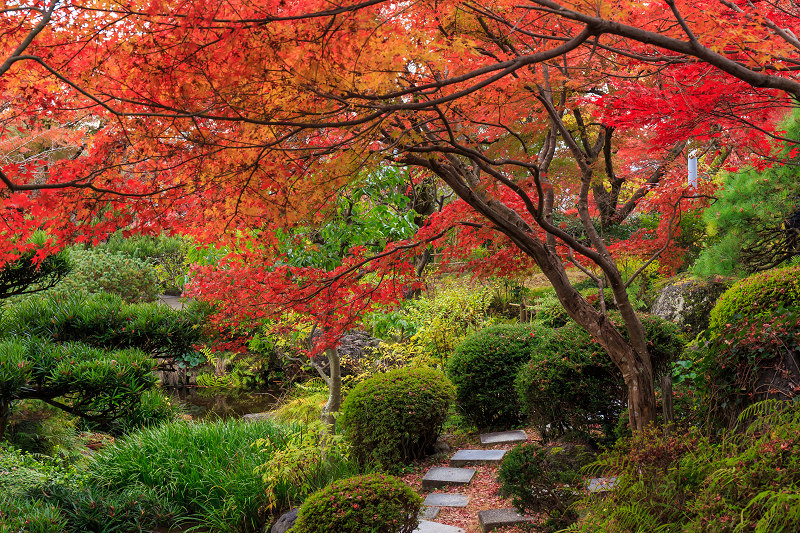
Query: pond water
{"x": 212, "y": 403}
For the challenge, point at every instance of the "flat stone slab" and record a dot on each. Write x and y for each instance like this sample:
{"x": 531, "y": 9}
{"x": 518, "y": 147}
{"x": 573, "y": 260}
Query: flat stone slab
{"x": 429, "y": 513}
{"x": 426, "y": 526}
{"x": 441, "y": 499}
{"x": 443, "y": 476}
{"x": 476, "y": 457}
{"x": 495, "y": 518}
{"x": 601, "y": 484}
{"x": 504, "y": 437}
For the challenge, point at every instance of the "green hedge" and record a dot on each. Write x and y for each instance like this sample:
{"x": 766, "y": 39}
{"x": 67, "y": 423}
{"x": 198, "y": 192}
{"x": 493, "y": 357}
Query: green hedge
{"x": 483, "y": 369}
{"x": 374, "y": 503}
{"x": 757, "y": 296}
{"x": 396, "y": 417}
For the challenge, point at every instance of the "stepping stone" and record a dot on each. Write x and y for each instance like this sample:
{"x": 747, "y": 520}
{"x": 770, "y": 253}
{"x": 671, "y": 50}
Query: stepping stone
{"x": 601, "y": 484}
{"x": 429, "y": 513}
{"x": 426, "y": 526}
{"x": 442, "y": 476}
{"x": 441, "y": 499}
{"x": 473, "y": 457}
{"x": 504, "y": 437}
{"x": 495, "y": 518}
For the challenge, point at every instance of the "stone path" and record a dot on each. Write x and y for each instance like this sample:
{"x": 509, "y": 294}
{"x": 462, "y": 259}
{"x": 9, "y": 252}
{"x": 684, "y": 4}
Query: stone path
{"x": 456, "y": 476}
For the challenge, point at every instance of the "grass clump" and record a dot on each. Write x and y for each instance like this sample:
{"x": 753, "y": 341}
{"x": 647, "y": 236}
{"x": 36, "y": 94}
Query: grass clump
{"x": 208, "y": 470}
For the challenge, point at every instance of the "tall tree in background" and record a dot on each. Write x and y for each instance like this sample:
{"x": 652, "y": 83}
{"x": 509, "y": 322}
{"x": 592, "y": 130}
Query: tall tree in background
{"x": 223, "y": 119}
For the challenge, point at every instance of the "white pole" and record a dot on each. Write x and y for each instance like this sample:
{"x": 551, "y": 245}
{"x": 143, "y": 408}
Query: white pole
{"x": 692, "y": 169}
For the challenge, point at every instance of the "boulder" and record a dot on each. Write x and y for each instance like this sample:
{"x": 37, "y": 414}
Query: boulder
{"x": 688, "y": 302}
{"x": 284, "y": 523}
{"x": 352, "y": 347}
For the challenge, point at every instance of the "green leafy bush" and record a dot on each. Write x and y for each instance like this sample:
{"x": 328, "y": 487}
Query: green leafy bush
{"x": 759, "y": 295}
{"x": 570, "y": 385}
{"x": 754, "y": 359}
{"x": 483, "y": 368}
{"x": 545, "y": 480}
{"x": 686, "y": 483}
{"x": 549, "y": 311}
{"x": 91, "y": 272}
{"x": 37, "y": 427}
{"x": 166, "y": 254}
{"x": 153, "y": 408}
{"x": 396, "y": 417}
{"x": 374, "y": 503}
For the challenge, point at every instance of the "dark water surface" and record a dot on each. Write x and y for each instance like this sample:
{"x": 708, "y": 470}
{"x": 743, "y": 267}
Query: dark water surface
{"x": 213, "y": 403}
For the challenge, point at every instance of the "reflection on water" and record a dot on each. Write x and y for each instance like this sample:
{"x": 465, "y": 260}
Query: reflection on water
{"x": 213, "y": 403}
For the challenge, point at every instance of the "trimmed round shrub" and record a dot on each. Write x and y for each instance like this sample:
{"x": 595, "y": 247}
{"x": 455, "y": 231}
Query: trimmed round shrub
{"x": 374, "y": 503}
{"x": 483, "y": 369}
{"x": 759, "y": 295}
{"x": 571, "y": 385}
{"x": 545, "y": 480}
{"x": 396, "y": 417}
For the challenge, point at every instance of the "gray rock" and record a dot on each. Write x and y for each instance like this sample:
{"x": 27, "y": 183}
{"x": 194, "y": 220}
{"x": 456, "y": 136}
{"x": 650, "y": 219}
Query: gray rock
{"x": 475, "y": 457}
{"x": 285, "y": 522}
{"x": 441, "y": 499}
{"x": 252, "y": 417}
{"x": 426, "y": 526}
{"x": 442, "y": 476}
{"x": 503, "y": 437}
{"x": 494, "y": 518}
{"x": 429, "y": 513}
{"x": 688, "y": 302}
{"x": 352, "y": 347}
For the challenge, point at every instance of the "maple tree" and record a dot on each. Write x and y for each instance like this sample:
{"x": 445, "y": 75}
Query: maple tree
{"x": 227, "y": 120}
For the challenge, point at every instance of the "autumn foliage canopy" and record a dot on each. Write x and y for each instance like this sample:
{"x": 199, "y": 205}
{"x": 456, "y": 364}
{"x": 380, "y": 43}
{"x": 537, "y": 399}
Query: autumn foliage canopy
{"x": 229, "y": 119}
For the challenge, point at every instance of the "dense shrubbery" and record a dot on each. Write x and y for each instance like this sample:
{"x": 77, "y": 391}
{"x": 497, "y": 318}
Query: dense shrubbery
{"x": 373, "y": 503}
{"x": 754, "y": 359}
{"x": 396, "y": 417}
{"x": 483, "y": 369}
{"x": 570, "y": 385}
{"x": 545, "y": 480}
{"x": 104, "y": 320}
{"x": 685, "y": 483}
{"x": 759, "y": 295}
{"x": 166, "y": 254}
{"x": 97, "y": 271}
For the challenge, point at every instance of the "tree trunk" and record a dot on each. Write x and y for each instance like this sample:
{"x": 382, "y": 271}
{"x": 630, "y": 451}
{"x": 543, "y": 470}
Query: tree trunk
{"x": 666, "y": 401}
{"x": 334, "y": 389}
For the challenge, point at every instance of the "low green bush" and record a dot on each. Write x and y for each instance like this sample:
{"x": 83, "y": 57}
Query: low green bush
{"x": 571, "y": 386}
{"x": 18, "y": 515}
{"x": 91, "y": 272}
{"x": 133, "y": 509}
{"x": 545, "y": 481}
{"x": 396, "y": 417}
{"x": 483, "y": 369}
{"x": 374, "y": 503}
{"x": 759, "y": 295}
{"x": 687, "y": 483}
{"x": 37, "y": 427}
